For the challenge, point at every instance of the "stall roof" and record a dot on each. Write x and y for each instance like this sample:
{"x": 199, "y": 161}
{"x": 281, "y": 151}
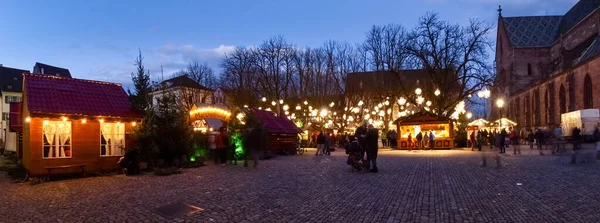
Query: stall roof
{"x": 505, "y": 121}
{"x": 69, "y": 96}
{"x": 275, "y": 124}
{"x": 478, "y": 122}
{"x": 421, "y": 117}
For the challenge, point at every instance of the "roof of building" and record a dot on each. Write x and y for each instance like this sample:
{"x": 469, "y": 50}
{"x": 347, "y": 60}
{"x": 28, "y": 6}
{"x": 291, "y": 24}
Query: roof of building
{"x": 532, "y": 31}
{"x": 590, "y": 52}
{"x": 51, "y": 95}
{"x": 11, "y": 79}
{"x": 276, "y": 124}
{"x": 183, "y": 81}
{"x": 577, "y": 13}
{"x": 52, "y": 70}
{"x": 421, "y": 118}
{"x": 543, "y": 31}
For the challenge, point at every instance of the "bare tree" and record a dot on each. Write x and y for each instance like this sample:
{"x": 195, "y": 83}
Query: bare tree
{"x": 239, "y": 76}
{"x": 455, "y": 58}
{"x": 202, "y": 73}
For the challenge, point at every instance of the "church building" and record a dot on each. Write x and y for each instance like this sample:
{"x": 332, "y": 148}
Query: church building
{"x": 547, "y": 65}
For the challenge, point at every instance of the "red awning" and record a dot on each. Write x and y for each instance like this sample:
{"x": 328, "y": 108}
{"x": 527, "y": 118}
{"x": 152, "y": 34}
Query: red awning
{"x": 275, "y": 124}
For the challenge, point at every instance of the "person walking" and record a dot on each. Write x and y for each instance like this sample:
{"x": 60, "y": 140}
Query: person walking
{"x": 504, "y": 135}
{"x": 253, "y": 143}
{"x": 327, "y": 144}
{"x": 479, "y": 140}
{"x": 372, "y": 148}
{"x": 530, "y": 138}
{"x": 558, "y": 137}
{"x": 320, "y": 143}
{"x": 472, "y": 140}
{"x": 539, "y": 140}
{"x": 222, "y": 143}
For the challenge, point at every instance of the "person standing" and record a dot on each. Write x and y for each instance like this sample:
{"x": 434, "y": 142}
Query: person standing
{"x": 503, "y": 135}
{"x": 431, "y": 140}
{"x": 384, "y": 138}
{"x": 328, "y": 143}
{"x": 597, "y": 140}
{"x": 425, "y": 140}
{"x": 419, "y": 140}
{"x": 361, "y": 134}
{"x": 409, "y": 141}
{"x": 576, "y": 138}
{"x": 372, "y": 148}
{"x": 320, "y": 143}
{"x": 479, "y": 141}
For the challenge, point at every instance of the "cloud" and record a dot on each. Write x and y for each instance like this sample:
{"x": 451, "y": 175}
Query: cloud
{"x": 173, "y": 57}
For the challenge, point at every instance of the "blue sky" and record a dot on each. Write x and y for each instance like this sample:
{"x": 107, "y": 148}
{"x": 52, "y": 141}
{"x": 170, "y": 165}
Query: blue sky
{"x": 99, "y": 39}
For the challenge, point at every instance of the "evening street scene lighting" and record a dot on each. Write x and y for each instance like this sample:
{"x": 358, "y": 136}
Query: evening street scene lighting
{"x": 300, "y": 111}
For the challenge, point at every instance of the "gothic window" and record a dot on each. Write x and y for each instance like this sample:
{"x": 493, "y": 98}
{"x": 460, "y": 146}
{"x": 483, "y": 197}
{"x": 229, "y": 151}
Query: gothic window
{"x": 547, "y": 106}
{"x": 528, "y": 69}
{"x": 527, "y": 107}
{"x": 562, "y": 99}
{"x": 588, "y": 99}
{"x": 536, "y": 107}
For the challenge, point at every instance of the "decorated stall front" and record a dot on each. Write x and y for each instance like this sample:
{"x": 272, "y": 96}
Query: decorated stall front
{"x": 502, "y": 123}
{"x": 282, "y": 134}
{"x": 441, "y": 127}
{"x": 477, "y": 125}
{"x": 74, "y": 125}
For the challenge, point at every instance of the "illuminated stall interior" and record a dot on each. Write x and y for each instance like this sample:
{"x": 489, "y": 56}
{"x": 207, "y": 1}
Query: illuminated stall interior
{"x": 208, "y": 118}
{"x": 441, "y": 127}
{"x": 477, "y": 125}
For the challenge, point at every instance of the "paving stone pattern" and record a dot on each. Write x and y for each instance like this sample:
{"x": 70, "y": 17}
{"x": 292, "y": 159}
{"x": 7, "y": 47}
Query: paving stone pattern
{"x": 438, "y": 186}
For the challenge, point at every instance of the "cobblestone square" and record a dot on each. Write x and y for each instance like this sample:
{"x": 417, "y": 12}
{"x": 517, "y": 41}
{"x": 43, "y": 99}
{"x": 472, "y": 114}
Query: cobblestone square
{"x": 420, "y": 186}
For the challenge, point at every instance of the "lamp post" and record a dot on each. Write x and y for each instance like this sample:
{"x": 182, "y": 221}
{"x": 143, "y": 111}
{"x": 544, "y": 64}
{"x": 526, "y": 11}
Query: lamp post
{"x": 485, "y": 94}
{"x": 500, "y": 104}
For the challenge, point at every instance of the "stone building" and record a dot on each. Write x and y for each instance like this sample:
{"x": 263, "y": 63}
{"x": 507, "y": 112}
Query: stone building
{"x": 547, "y": 65}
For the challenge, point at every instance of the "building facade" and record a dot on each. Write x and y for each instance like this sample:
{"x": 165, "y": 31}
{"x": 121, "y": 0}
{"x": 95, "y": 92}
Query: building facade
{"x": 547, "y": 65}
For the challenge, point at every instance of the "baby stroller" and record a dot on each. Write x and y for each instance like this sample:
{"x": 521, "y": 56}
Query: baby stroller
{"x": 129, "y": 163}
{"x": 355, "y": 160}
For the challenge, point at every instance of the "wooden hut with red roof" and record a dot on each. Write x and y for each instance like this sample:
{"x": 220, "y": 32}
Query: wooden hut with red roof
{"x": 73, "y": 124}
{"x": 282, "y": 133}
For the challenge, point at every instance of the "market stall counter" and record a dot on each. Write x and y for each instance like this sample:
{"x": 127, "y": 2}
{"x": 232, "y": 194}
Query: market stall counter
{"x": 424, "y": 122}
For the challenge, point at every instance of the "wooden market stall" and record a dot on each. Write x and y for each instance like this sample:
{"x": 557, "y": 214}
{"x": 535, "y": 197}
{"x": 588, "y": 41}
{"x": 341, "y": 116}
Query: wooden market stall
{"x": 425, "y": 122}
{"x": 477, "y": 125}
{"x": 502, "y": 123}
{"x": 74, "y": 125}
{"x": 282, "y": 133}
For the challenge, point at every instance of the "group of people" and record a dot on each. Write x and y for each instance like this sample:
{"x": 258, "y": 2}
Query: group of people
{"x": 423, "y": 140}
{"x": 224, "y": 148}
{"x": 324, "y": 143}
{"x": 366, "y": 141}
{"x": 539, "y": 138}
{"x": 389, "y": 138}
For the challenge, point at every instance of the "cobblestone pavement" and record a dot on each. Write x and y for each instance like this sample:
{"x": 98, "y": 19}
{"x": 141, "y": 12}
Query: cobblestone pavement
{"x": 420, "y": 186}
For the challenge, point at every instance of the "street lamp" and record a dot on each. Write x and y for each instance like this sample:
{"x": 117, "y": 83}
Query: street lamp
{"x": 500, "y": 104}
{"x": 469, "y": 115}
{"x": 485, "y": 94}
